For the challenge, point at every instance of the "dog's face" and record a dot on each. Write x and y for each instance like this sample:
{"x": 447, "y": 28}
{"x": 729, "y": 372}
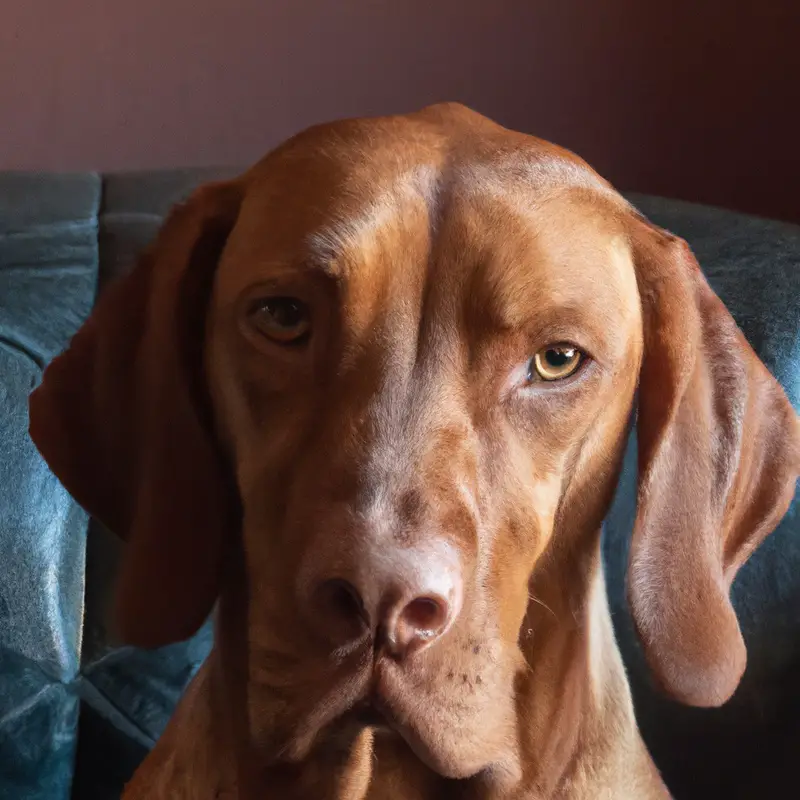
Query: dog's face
{"x": 406, "y": 351}
{"x": 415, "y": 372}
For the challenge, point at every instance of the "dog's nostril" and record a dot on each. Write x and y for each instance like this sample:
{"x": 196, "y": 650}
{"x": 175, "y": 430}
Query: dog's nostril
{"x": 343, "y": 599}
{"x": 425, "y": 615}
{"x": 419, "y": 622}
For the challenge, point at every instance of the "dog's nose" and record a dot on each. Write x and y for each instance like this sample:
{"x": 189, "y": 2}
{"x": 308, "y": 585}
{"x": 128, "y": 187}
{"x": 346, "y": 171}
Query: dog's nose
{"x": 406, "y": 608}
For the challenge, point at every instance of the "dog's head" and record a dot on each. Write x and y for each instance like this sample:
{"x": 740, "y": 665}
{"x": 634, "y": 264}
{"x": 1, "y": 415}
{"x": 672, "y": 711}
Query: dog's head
{"x": 393, "y": 366}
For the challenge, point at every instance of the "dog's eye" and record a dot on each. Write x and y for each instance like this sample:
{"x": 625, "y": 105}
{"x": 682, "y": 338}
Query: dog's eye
{"x": 554, "y": 363}
{"x": 285, "y": 320}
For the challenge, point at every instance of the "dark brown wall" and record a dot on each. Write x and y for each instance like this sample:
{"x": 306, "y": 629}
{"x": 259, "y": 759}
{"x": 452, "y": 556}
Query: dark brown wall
{"x": 698, "y": 100}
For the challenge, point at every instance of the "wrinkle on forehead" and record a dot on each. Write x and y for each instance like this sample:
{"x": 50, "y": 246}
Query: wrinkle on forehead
{"x": 356, "y": 230}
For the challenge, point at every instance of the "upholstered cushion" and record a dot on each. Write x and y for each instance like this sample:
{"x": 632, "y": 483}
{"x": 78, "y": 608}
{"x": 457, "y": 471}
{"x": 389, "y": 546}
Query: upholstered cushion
{"x": 48, "y": 273}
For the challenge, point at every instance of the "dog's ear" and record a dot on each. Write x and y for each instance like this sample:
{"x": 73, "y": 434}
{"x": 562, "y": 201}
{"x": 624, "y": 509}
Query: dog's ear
{"x": 123, "y": 420}
{"x": 719, "y": 455}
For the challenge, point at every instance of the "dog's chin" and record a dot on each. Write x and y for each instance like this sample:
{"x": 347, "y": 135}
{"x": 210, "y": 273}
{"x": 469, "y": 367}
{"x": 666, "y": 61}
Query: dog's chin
{"x": 451, "y": 748}
{"x": 441, "y": 756}
{"x": 456, "y": 728}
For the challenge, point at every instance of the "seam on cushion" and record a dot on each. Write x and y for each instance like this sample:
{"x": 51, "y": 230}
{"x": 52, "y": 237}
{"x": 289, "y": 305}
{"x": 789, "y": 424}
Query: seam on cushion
{"x": 27, "y": 704}
{"x": 96, "y": 213}
{"x": 37, "y": 229}
{"x": 111, "y": 656}
{"x": 102, "y": 212}
{"x": 18, "y": 349}
{"x": 68, "y": 267}
{"x": 133, "y": 216}
{"x": 95, "y": 217}
{"x": 101, "y": 703}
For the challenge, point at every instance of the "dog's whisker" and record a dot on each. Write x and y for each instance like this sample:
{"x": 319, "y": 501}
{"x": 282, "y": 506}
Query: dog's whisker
{"x": 542, "y": 603}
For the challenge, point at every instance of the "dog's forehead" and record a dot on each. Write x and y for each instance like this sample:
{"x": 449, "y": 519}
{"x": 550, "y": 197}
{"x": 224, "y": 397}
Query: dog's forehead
{"x": 366, "y": 199}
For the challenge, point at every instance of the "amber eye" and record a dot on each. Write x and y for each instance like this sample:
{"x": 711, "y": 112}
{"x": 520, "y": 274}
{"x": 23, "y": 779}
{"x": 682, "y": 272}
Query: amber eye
{"x": 285, "y": 320}
{"x": 554, "y": 363}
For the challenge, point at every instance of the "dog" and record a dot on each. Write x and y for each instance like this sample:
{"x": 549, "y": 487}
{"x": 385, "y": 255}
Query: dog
{"x": 368, "y": 403}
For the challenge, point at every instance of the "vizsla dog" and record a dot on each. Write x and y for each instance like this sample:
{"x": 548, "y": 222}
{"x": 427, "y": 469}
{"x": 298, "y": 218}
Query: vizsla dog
{"x": 368, "y": 403}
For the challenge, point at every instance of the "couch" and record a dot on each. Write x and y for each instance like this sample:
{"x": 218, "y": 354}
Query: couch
{"x": 78, "y": 711}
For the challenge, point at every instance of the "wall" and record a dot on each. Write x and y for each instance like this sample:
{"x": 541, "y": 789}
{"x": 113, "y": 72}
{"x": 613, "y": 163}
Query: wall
{"x": 697, "y": 99}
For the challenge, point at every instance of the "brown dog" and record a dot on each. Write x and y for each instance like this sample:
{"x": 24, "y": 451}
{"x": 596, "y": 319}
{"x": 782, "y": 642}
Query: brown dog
{"x": 372, "y": 397}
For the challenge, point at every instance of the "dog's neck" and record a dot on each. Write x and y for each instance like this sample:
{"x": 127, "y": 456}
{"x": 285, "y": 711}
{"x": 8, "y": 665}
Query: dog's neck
{"x": 578, "y": 738}
{"x": 577, "y": 735}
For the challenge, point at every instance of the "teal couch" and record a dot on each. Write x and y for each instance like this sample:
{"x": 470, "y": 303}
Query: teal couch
{"x": 78, "y": 712}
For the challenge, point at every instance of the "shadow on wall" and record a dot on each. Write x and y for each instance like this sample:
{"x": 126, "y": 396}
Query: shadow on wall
{"x": 694, "y": 99}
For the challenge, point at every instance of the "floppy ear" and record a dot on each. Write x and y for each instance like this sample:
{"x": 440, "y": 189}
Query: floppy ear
{"x": 122, "y": 419}
{"x": 719, "y": 456}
